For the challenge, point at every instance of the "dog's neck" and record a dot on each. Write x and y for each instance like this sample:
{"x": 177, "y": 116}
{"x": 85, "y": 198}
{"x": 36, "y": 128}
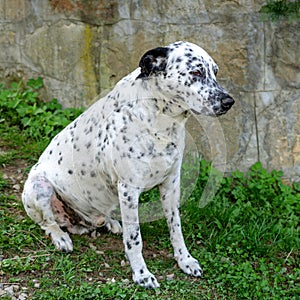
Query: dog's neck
{"x": 156, "y": 100}
{"x": 146, "y": 98}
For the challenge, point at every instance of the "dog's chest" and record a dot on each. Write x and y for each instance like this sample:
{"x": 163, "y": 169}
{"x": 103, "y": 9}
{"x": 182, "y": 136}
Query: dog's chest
{"x": 137, "y": 146}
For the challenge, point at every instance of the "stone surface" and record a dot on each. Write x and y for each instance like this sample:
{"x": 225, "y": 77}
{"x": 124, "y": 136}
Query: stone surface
{"x": 278, "y": 117}
{"x": 82, "y": 48}
{"x": 62, "y": 53}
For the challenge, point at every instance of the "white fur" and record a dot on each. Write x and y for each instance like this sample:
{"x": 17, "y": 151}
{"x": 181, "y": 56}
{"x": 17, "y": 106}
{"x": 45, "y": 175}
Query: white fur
{"x": 127, "y": 142}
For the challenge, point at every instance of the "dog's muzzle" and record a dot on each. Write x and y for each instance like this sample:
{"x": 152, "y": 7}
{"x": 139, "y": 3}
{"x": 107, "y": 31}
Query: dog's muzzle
{"x": 225, "y": 104}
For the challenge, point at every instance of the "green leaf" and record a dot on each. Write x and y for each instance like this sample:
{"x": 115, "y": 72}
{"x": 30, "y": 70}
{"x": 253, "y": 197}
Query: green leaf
{"x": 35, "y": 84}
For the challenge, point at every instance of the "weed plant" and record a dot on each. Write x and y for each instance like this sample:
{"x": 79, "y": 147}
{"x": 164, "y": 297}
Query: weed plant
{"x": 22, "y": 107}
{"x": 276, "y": 10}
{"x": 246, "y": 239}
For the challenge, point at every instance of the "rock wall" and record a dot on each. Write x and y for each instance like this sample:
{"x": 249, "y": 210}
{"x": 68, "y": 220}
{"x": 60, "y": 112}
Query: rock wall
{"x": 83, "y": 47}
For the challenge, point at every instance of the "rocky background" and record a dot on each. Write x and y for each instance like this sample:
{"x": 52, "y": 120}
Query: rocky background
{"x": 83, "y": 47}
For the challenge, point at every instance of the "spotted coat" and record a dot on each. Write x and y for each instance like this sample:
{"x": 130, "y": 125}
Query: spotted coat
{"x": 124, "y": 144}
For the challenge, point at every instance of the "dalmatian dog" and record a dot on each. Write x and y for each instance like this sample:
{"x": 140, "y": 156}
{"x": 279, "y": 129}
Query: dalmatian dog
{"x": 127, "y": 142}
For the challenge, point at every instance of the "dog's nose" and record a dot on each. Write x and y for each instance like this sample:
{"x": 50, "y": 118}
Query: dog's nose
{"x": 227, "y": 102}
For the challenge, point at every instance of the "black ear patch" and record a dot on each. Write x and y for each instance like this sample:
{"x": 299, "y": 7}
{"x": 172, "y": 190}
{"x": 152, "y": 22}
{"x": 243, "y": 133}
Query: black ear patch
{"x": 153, "y": 61}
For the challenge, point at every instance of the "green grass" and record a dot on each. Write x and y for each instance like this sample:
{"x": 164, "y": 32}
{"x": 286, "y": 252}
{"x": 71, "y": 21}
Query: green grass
{"x": 246, "y": 239}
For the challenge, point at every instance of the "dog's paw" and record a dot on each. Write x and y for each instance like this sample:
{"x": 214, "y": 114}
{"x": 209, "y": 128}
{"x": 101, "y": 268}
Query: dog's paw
{"x": 146, "y": 280}
{"x": 60, "y": 239}
{"x": 190, "y": 266}
{"x": 113, "y": 226}
{"x": 62, "y": 242}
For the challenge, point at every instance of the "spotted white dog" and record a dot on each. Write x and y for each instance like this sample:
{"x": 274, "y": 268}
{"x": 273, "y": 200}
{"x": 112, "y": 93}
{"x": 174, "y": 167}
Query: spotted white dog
{"x": 126, "y": 143}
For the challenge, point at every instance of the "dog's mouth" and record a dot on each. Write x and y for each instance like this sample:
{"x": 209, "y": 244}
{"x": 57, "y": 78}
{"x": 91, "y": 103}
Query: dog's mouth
{"x": 209, "y": 113}
{"x": 195, "y": 112}
{"x": 222, "y": 108}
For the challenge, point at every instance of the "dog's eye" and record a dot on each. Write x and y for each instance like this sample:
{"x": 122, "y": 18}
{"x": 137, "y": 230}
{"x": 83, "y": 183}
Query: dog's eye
{"x": 197, "y": 73}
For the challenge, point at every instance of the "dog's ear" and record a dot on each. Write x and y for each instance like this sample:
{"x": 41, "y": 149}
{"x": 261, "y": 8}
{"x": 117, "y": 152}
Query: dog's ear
{"x": 153, "y": 61}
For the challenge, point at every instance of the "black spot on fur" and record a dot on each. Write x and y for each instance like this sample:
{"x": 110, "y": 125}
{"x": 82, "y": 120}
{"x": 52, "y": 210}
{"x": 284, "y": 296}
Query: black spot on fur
{"x": 128, "y": 245}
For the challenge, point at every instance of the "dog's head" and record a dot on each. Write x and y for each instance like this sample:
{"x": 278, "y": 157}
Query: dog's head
{"x": 186, "y": 72}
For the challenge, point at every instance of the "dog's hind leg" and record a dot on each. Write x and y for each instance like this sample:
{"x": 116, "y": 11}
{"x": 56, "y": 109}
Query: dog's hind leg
{"x": 37, "y": 195}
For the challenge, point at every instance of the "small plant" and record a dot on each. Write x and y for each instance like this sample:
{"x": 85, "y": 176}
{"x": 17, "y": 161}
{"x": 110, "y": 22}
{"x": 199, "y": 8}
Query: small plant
{"x": 279, "y": 9}
{"x": 21, "y": 106}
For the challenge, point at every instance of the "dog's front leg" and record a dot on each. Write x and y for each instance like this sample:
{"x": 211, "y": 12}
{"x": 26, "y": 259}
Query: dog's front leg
{"x": 129, "y": 198}
{"x": 170, "y": 197}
